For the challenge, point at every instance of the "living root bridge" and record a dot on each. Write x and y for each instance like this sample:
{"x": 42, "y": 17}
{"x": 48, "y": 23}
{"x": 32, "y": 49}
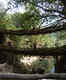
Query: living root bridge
{"x": 33, "y": 32}
{"x": 35, "y": 52}
{"x": 32, "y": 76}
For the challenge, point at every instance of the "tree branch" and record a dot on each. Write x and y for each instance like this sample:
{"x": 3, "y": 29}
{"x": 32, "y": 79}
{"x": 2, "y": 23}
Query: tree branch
{"x": 44, "y": 9}
{"x": 49, "y": 10}
{"x": 33, "y": 32}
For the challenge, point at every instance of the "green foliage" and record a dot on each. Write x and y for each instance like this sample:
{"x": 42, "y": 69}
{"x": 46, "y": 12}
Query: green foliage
{"x": 27, "y": 20}
{"x": 62, "y": 35}
{"x": 3, "y": 21}
{"x": 41, "y": 41}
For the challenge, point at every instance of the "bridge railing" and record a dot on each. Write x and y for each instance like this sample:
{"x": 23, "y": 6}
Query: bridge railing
{"x": 33, "y": 76}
